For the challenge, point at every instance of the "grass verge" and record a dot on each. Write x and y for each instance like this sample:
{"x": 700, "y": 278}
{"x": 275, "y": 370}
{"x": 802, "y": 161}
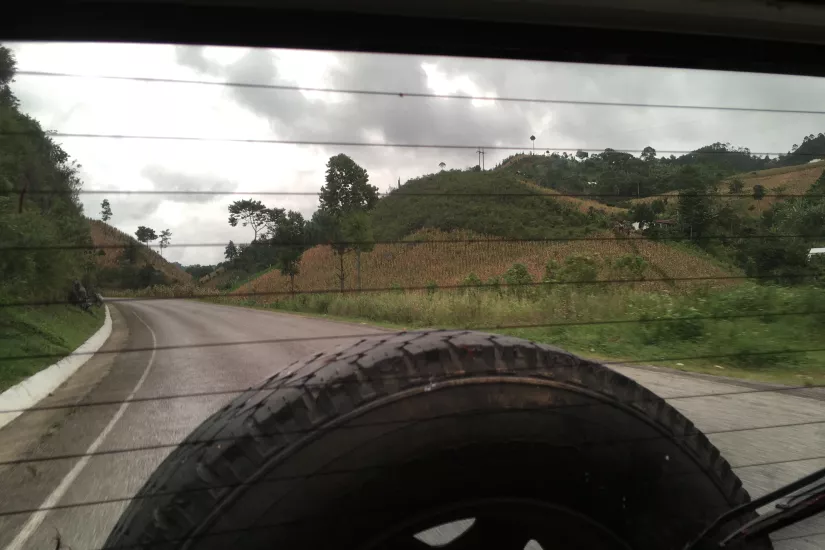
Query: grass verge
{"x": 37, "y": 331}
{"x": 761, "y": 333}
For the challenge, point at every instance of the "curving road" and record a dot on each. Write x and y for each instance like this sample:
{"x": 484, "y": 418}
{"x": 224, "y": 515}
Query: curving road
{"x": 168, "y": 358}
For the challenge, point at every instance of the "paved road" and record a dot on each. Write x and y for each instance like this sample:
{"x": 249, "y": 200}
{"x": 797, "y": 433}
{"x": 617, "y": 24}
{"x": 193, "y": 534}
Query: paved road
{"x": 747, "y": 425}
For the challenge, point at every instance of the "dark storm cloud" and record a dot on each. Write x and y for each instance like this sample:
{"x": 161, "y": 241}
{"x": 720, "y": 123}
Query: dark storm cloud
{"x": 209, "y": 188}
{"x": 351, "y": 118}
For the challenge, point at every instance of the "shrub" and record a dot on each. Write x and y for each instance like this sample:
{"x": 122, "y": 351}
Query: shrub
{"x": 736, "y": 186}
{"x": 758, "y": 192}
{"x": 578, "y": 268}
{"x": 519, "y": 281}
{"x": 472, "y": 284}
{"x": 633, "y": 264}
{"x": 494, "y": 284}
{"x": 681, "y": 324}
{"x": 432, "y": 287}
{"x": 551, "y": 271}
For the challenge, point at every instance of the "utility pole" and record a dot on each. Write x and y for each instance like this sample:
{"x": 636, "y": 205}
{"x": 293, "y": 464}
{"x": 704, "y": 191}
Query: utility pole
{"x": 480, "y": 158}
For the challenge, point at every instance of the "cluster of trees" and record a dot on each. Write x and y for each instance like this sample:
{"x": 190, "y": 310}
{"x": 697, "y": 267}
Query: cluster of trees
{"x": 146, "y": 235}
{"x": 197, "y": 270}
{"x": 131, "y": 272}
{"x": 280, "y": 236}
{"x": 614, "y": 176}
{"x": 788, "y": 231}
{"x": 41, "y": 218}
{"x": 812, "y": 148}
{"x": 773, "y": 246}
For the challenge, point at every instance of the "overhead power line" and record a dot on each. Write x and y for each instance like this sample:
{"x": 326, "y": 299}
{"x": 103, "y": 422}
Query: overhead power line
{"x": 424, "y": 95}
{"x": 414, "y": 243}
{"x": 342, "y": 143}
{"x": 549, "y": 194}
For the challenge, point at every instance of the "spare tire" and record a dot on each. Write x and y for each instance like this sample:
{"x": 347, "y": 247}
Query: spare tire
{"x": 369, "y": 446}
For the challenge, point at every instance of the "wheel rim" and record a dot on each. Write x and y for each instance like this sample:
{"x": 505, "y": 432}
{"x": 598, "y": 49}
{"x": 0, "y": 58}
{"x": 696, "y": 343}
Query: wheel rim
{"x": 498, "y": 524}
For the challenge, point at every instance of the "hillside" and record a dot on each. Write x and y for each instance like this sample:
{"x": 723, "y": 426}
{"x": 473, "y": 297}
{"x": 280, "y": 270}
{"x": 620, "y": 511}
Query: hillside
{"x": 581, "y": 204}
{"x": 613, "y": 177}
{"x": 493, "y": 203}
{"x": 448, "y": 258}
{"x": 113, "y": 250}
{"x": 455, "y": 223}
{"x": 44, "y": 239}
{"x": 811, "y": 148}
{"x": 789, "y": 180}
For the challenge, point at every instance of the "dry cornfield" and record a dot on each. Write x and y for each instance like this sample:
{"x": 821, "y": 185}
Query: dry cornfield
{"x": 447, "y": 258}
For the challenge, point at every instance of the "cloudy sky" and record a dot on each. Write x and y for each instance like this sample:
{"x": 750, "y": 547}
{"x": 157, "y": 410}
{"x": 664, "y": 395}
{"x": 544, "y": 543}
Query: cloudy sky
{"x": 85, "y": 105}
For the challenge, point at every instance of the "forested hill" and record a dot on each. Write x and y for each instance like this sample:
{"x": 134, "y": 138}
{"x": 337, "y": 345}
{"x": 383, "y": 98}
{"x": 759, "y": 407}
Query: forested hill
{"x": 123, "y": 262}
{"x": 614, "y": 176}
{"x": 811, "y": 148}
{"x": 491, "y": 203}
{"x": 41, "y": 219}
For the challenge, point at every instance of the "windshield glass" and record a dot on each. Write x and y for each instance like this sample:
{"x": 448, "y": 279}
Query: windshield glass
{"x": 667, "y": 223}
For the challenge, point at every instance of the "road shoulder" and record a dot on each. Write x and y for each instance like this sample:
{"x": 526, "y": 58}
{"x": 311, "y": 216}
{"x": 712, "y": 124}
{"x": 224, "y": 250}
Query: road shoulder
{"x": 816, "y": 393}
{"x": 30, "y": 391}
{"x": 65, "y": 424}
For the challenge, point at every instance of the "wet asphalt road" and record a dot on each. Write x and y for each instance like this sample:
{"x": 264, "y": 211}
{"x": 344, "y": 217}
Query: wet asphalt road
{"x": 769, "y": 437}
{"x": 119, "y": 470}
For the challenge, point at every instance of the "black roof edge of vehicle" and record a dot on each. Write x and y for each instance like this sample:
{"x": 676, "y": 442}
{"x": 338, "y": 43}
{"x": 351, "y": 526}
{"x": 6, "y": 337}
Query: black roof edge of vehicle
{"x": 597, "y": 31}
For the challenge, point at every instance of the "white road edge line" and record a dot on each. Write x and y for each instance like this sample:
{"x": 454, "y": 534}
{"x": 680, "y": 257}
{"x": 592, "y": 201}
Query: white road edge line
{"x": 24, "y": 395}
{"x": 19, "y": 542}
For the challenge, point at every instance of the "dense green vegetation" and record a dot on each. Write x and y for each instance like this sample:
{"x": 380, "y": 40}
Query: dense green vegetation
{"x": 772, "y": 247}
{"x": 45, "y": 241}
{"x": 489, "y": 203}
{"x": 754, "y": 331}
{"x": 281, "y": 236}
{"x": 197, "y": 271}
{"x": 41, "y": 219}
